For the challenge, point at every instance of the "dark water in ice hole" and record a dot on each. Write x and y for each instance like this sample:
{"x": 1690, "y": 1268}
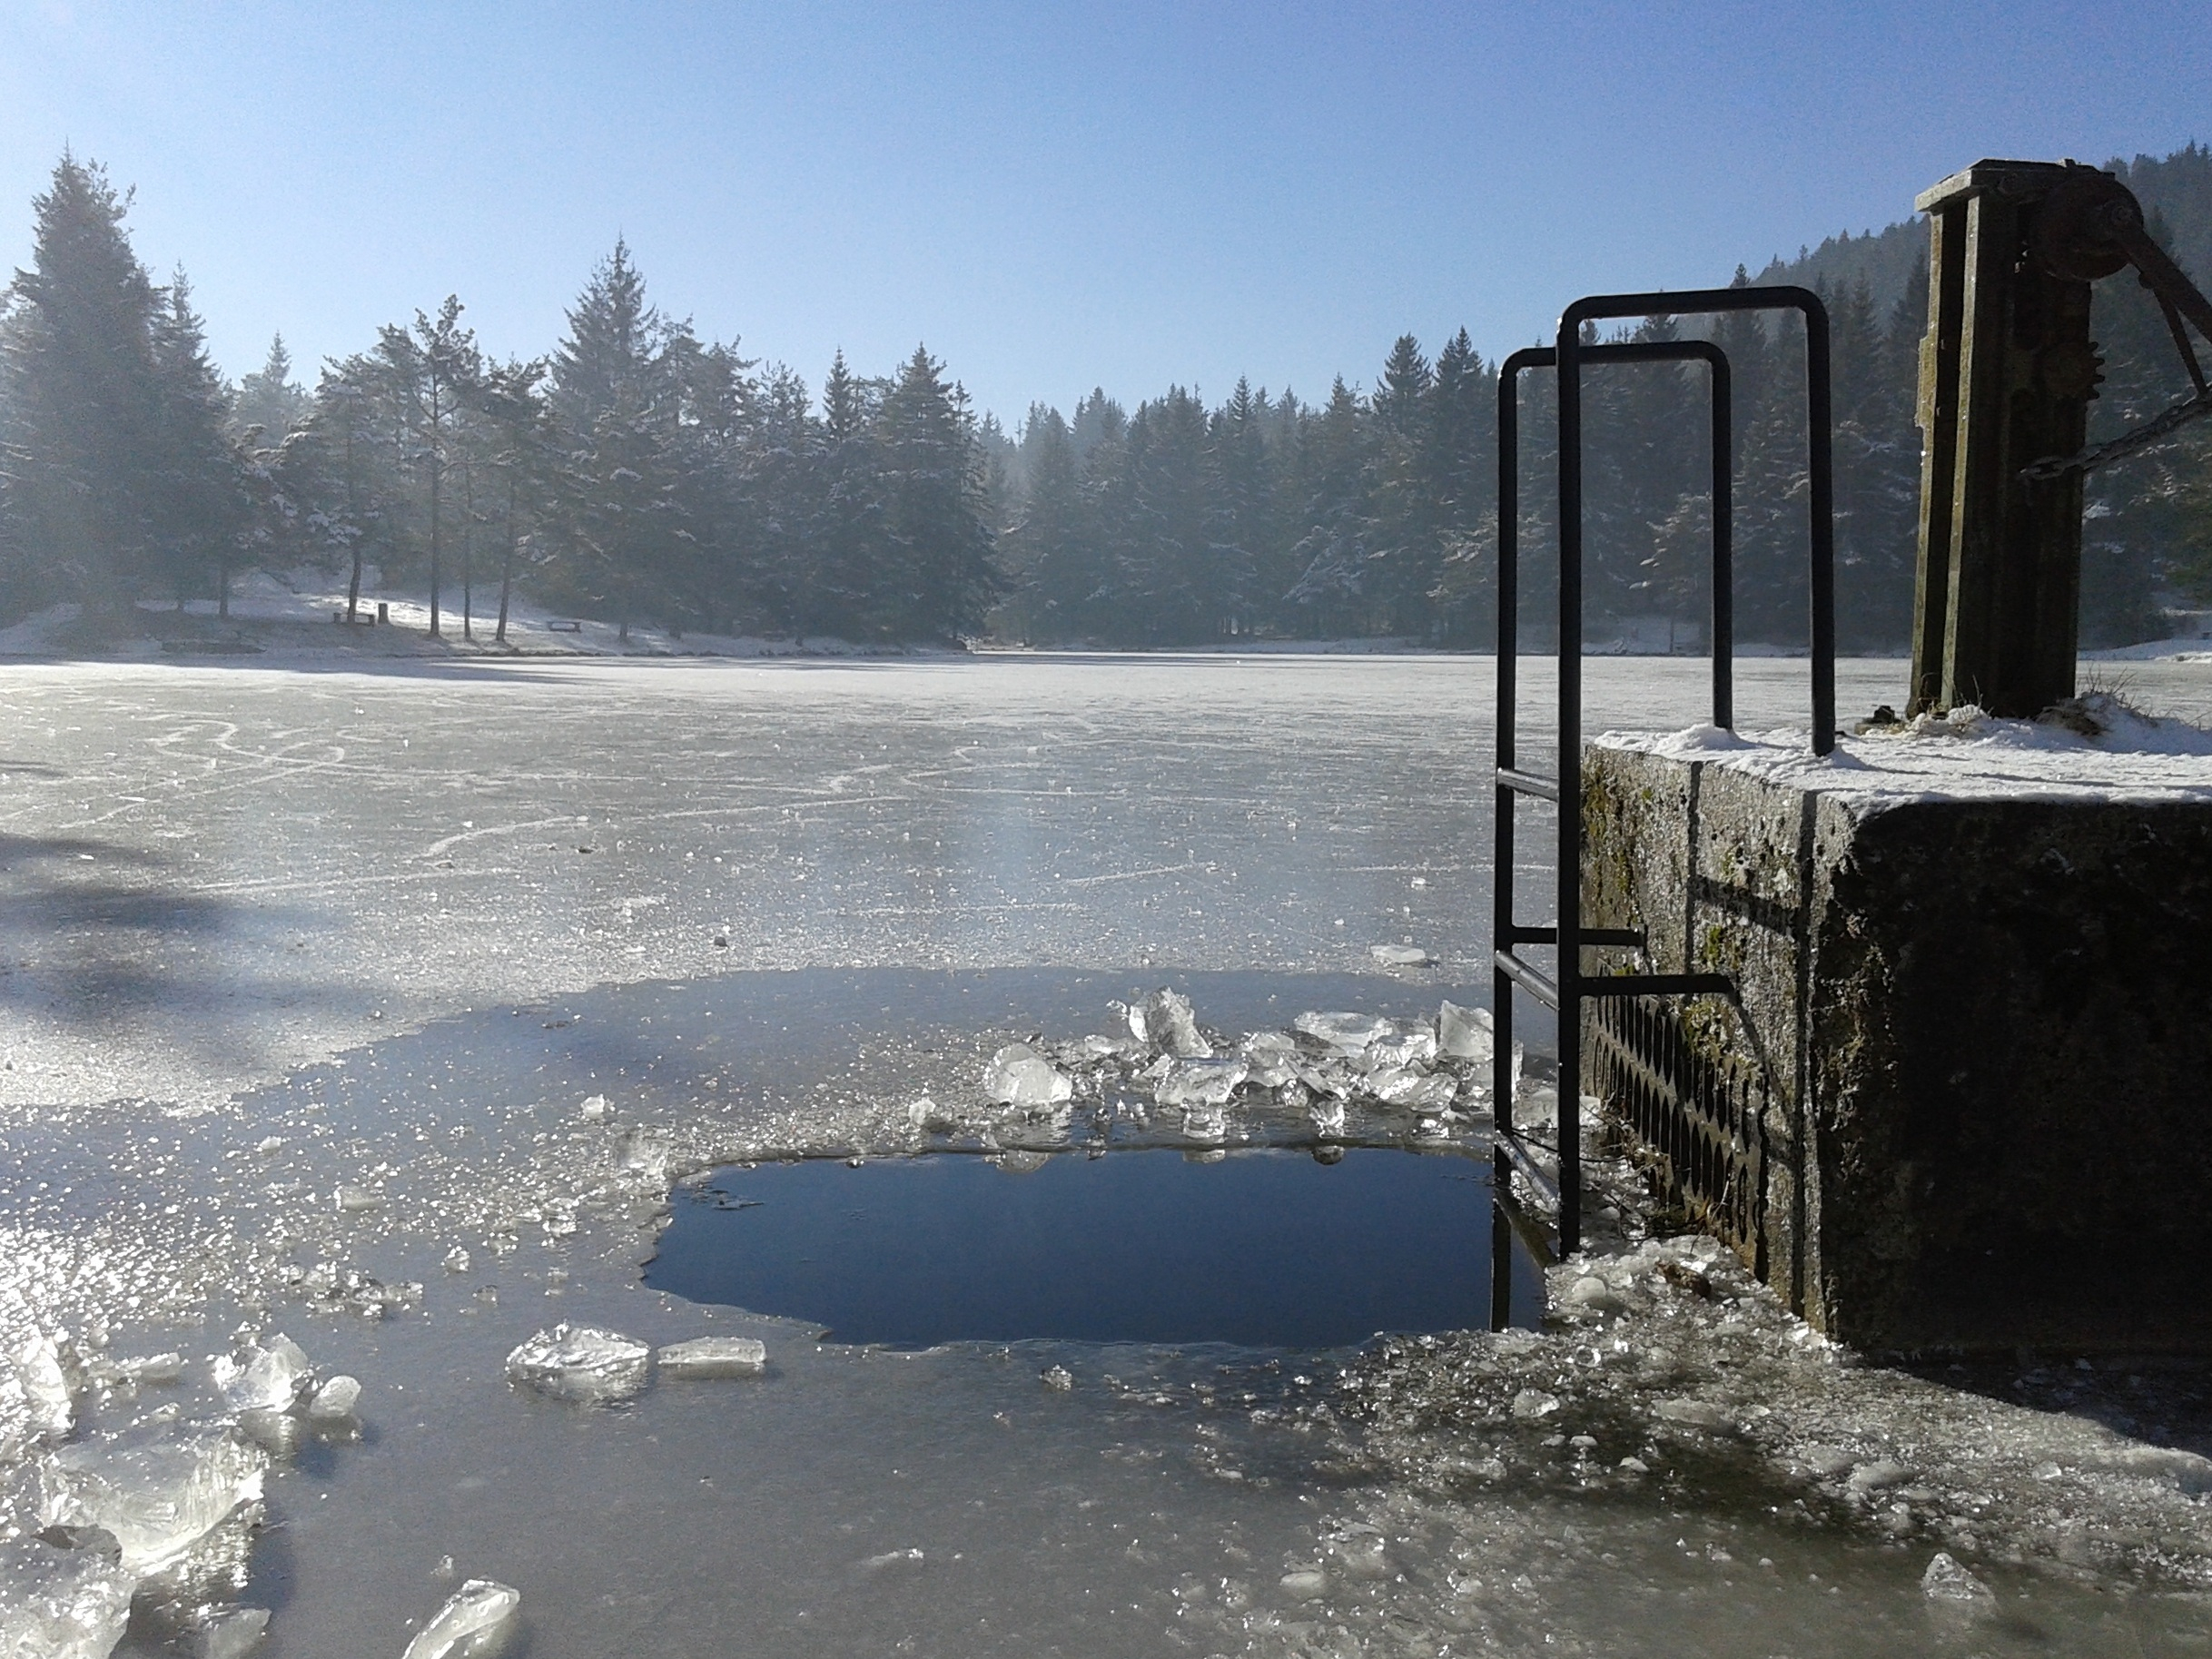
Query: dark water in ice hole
{"x": 1264, "y": 1249}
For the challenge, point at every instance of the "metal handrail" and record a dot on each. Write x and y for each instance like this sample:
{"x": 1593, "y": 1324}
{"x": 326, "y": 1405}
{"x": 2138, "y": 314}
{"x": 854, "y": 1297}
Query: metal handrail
{"x": 1569, "y": 987}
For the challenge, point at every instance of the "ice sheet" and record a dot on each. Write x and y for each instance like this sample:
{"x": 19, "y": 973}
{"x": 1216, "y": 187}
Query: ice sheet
{"x": 384, "y": 900}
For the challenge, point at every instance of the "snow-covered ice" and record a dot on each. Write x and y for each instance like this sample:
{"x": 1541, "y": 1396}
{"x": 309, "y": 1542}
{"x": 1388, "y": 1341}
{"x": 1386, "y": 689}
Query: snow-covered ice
{"x": 276, "y": 933}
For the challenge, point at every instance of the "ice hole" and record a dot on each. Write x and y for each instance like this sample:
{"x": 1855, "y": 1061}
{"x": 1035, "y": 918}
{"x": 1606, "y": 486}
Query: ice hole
{"x": 1262, "y": 1249}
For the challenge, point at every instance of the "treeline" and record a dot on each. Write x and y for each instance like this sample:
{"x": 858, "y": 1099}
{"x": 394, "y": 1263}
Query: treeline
{"x": 641, "y": 474}
{"x": 636, "y": 473}
{"x": 1377, "y": 514}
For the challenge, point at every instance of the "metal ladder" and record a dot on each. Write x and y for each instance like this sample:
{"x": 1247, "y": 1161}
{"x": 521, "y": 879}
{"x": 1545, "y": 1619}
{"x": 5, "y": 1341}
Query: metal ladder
{"x": 1569, "y": 987}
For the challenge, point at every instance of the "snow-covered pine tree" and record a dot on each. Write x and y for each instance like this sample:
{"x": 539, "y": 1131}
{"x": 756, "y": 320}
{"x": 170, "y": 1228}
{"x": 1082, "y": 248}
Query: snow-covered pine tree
{"x": 426, "y": 377}
{"x": 270, "y": 398}
{"x": 80, "y": 404}
{"x": 616, "y": 402}
{"x": 937, "y": 578}
{"x": 204, "y": 502}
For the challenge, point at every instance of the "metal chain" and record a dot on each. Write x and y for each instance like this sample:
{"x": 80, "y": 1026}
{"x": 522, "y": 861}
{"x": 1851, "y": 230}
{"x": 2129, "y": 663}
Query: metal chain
{"x": 2126, "y": 443}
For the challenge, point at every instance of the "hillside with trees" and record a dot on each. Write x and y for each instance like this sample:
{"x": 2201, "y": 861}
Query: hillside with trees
{"x": 640, "y": 473}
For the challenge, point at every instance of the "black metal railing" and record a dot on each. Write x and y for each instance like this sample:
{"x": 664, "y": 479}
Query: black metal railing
{"x": 1567, "y": 987}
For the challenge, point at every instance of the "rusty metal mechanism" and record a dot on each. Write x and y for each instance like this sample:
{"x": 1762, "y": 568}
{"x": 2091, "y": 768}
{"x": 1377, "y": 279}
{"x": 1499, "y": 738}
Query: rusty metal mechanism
{"x": 2007, "y": 372}
{"x": 2091, "y": 227}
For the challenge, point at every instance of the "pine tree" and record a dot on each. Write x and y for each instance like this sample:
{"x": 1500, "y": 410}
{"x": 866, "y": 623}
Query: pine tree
{"x": 1403, "y": 547}
{"x": 80, "y": 404}
{"x": 938, "y": 576}
{"x": 269, "y": 399}
{"x": 200, "y": 500}
{"x": 835, "y": 588}
{"x": 519, "y": 455}
{"x": 333, "y": 471}
{"x": 617, "y": 401}
{"x": 1243, "y": 498}
{"x": 427, "y": 377}
{"x": 1329, "y": 595}
{"x": 1049, "y": 553}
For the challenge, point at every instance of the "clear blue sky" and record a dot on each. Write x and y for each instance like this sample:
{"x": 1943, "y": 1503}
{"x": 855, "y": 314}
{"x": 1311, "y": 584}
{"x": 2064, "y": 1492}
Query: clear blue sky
{"x": 1049, "y": 196}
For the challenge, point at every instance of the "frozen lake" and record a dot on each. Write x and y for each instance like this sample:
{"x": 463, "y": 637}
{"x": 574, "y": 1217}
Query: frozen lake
{"x": 323, "y": 984}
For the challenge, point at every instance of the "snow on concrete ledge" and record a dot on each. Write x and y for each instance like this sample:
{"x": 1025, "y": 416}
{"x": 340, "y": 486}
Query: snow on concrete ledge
{"x": 2093, "y": 748}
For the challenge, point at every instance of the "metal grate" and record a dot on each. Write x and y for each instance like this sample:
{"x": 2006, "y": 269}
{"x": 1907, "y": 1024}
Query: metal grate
{"x": 1696, "y": 1124}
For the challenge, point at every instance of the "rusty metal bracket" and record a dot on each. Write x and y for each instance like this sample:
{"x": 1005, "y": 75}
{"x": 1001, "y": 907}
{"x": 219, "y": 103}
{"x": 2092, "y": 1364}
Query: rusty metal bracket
{"x": 2090, "y": 226}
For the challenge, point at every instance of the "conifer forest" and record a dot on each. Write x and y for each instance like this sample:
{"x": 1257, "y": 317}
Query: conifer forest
{"x": 643, "y": 474}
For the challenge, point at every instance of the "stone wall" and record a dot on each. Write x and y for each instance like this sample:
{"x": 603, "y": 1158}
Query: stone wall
{"x": 1987, "y": 1029}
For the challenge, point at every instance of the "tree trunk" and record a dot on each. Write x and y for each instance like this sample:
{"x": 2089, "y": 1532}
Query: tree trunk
{"x": 353, "y": 529}
{"x": 436, "y": 477}
{"x": 507, "y": 563}
{"x": 222, "y": 586}
{"x": 467, "y": 549}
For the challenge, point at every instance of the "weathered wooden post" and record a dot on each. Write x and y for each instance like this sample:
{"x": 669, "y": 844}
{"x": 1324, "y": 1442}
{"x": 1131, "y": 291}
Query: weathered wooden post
{"x": 2007, "y": 372}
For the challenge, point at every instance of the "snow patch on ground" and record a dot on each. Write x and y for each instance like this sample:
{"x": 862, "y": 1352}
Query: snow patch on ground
{"x": 2092, "y": 748}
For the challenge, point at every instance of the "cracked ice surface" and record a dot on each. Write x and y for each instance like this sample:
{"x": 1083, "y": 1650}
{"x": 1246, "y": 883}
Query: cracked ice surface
{"x": 219, "y": 874}
{"x": 219, "y": 877}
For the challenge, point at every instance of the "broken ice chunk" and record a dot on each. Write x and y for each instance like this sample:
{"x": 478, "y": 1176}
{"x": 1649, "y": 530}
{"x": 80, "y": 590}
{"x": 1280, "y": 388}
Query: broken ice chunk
{"x": 1205, "y": 1124}
{"x": 1170, "y": 1024}
{"x": 580, "y": 1362}
{"x": 1415, "y": 1090}
{"x": 642, "y": 1152}
{"x": 1594, "y": 1295}
{"x": 1415, "y": 1047}
{"x": 159, "y": 1495}
{"x": 37, "y": 1364}
{"x": 1465, "y": 1034}
{"x": 57, "y": 1603}
{"x": 468, "y": 1623}
{"x": 1057, "y": 1377}
{"x": 1273, "y": 1057}
{"x": 1200, "y": 1082}
{"x": 594, "y": 1108}
{"x": 335, "y": 1401}
{"x": 1947, "y": 1582}
{"x": 154, "y": 1368}
{"x": 263, "y": 1378}
{"x": 1345, "y": 1033}
{"x": 231, "y": 1633}
{"x": 1879, "y": 1475}
{"x": 713, "y": 1356}
{"x": 1400, "y": 956}
{"x": 354, "y": 1199}
{"x": 277, "y": 1433}
{"x": 1695, "y": 1413}
{"x": 1018, "y": 1075}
